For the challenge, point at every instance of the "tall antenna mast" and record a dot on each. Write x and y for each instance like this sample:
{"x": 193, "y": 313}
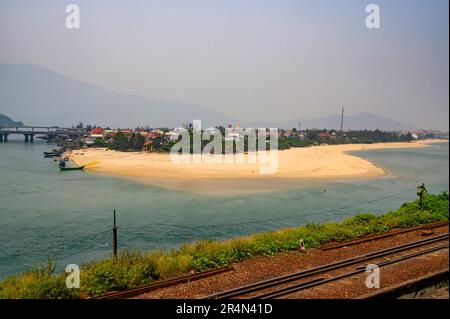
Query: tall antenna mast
{"x": 342, "y": 120}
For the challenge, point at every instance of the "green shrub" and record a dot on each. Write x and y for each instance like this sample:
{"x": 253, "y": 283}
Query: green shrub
{"x": 39, "y": 283}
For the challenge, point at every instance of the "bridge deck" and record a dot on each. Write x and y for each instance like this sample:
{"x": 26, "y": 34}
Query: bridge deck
{"x": 30, "y": 130}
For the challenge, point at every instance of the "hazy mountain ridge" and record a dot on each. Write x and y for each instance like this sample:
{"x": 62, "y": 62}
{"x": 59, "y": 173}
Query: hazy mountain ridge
{"x": 6, "y": 120}
{"x": 40, "y": 96}
{"x": 43, "y": 97}
{"x": 360, "y": 121}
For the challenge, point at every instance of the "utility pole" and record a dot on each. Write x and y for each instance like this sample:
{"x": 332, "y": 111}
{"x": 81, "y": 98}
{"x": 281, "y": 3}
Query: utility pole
{"x": 342, "y": 120}
{"x": 114, "y": 239}
{"x": 421, "y": 192}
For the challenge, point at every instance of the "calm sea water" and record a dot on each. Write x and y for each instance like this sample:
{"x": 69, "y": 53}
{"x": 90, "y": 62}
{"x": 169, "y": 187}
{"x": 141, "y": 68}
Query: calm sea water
{"x": 68, "y": 215}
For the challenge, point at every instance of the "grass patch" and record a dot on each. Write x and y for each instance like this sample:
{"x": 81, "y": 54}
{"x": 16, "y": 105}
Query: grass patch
{"x": 40, "y": 282}
{"x": 134, "y": 268}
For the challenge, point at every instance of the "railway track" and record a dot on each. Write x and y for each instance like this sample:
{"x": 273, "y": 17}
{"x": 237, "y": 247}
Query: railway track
{"x": 161, "y": 284}
{"x": 292, "y": 283}
{"x": 383, "y": 235}
{"x": 259, "y": 289}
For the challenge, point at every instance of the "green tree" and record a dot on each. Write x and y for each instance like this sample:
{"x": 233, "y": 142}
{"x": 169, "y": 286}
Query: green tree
{"x": 120, "y": 142}
{"x": 99, "y": 142}
{"x": 137, "y": 141}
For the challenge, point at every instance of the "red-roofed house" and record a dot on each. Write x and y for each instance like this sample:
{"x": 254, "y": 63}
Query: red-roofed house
{"x": 97, "y": 132}
{"x": 324, "y": 134}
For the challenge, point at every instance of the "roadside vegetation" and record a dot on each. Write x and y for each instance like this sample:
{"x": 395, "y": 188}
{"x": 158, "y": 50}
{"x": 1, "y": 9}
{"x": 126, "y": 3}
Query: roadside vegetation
{"x": 134, "y": 268}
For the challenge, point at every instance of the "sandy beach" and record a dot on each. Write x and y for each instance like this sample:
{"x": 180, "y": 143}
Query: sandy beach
{"x": 318, "y": 162}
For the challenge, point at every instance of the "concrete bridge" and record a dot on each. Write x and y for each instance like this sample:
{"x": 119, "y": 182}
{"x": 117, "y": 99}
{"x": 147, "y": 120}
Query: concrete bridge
{"x": 30, "y": 131}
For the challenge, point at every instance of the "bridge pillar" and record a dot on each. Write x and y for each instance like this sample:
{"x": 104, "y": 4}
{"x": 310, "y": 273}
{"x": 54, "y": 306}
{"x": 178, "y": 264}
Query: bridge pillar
{"x": 26, "y": 138}
{"x": 31, "y": 138}
{"x": 1, "y": 138}
{"x": 5, "y": 138}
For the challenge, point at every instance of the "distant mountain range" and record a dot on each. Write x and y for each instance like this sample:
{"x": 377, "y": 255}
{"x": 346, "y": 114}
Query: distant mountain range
{"x": 360, "y": 121}
{"x": 43, "y": 97}
{"x": 5, "y": 120}
{"x": 40, "y": 96}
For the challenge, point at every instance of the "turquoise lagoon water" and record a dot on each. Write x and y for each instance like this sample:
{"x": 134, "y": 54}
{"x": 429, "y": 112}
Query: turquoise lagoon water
{"x": 68, "y": 215}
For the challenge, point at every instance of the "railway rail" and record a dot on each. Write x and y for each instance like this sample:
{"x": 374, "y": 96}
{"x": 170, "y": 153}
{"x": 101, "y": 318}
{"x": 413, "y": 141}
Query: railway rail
{"x": 411, "y": 288}
{"x": 161, "y": 284}
{"x": 383, "y": 235}
{"x": 292, "y": 283}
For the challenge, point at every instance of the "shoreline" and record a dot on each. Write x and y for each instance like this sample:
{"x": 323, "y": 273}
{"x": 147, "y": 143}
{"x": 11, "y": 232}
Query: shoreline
{"x": 315, "y": 163}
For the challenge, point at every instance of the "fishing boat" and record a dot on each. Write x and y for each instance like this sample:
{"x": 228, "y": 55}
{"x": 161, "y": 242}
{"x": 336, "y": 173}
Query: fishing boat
{"x": 54, "y": 153}
{"x": 64, "y": 168}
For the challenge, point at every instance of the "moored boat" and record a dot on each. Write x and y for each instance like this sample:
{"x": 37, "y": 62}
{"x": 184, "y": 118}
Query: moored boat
{"x": 54, "y": 153}
{"x": 63, "y": 168}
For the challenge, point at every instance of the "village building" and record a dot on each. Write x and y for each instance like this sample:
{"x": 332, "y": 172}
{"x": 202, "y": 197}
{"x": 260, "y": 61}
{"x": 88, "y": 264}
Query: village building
{"x": 97, "y": 132}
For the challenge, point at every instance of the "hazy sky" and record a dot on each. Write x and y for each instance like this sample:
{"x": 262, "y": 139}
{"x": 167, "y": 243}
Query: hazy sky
{"x": 254, "y": 60}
